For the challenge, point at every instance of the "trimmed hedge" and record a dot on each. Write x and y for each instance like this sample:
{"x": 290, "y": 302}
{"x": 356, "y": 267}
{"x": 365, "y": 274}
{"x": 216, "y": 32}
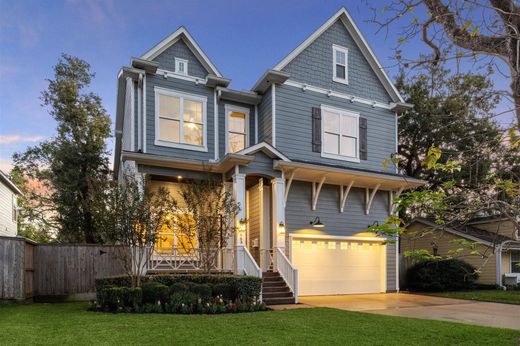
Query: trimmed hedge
{"x": 229, "y": 286}
{"x": 443, "y": 275}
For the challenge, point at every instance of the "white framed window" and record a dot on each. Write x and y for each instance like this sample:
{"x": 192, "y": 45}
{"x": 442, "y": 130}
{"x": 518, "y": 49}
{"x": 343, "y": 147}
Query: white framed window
{"x": 339, "y": 134}
{"x": 237, "y": 125}
{"x": 340, "y": 64}
{"x": 180, "y": 120}
{"x": 181, "y": 66}
{"x": 515, "y": 261}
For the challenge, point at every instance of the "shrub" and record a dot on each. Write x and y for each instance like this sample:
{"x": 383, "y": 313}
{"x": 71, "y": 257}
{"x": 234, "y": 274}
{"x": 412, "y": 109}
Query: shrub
{"x": 443, "y": 275}
{"x": 115, "y": 298}
{"x": 225, "y": 290}
{"x": 203, "y": 291}
{"x": 154, "y": 292}
{"x": 178, "y": 287}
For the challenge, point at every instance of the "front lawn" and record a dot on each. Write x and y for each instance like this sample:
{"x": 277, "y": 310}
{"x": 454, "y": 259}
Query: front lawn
{"x": 497, "y": 296}
{"x": 71, "y": 324}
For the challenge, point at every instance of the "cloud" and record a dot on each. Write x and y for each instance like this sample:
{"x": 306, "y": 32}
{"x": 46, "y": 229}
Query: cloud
{"x": 5, "y": 166}
{"x": 10, "y": 139}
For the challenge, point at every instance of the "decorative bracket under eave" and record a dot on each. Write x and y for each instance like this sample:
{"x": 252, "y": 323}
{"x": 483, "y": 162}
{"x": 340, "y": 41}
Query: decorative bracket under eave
{"x": 391, "y": 197}
{"x": 288, "y": 184}
{"x": 369, "y": 197}
{"x": 343, "y": 194}
{"x": 316, "y": 188}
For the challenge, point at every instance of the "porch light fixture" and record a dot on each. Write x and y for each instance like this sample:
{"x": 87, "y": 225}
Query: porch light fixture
{"x": 242, "y": 225}
{"x": 317, "y": 223}
{"x": 281, "y": 228}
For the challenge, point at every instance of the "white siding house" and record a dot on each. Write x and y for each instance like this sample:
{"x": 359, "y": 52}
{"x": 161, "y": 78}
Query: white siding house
{"x": 8, "y": 206}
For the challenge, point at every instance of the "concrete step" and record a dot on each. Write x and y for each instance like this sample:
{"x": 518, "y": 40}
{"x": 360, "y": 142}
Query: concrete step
{"x": 281, "y": 289}
{"x": 270, "y": 274}
{"x": 266, "y": 295}
{"x": 272, "y": 279}
{"x": 279, "y": 301}
{"x": 274, "y": 284}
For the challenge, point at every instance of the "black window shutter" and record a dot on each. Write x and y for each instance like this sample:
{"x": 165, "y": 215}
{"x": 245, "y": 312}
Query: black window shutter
{"x": 363, "y": 147}
{"x": 316, "y": 129}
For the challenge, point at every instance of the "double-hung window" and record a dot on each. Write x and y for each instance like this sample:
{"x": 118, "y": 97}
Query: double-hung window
{"x": 340, "y": 64}
{"x": 180, "y": 120}
{"x": 181, "y": 66}
{"x": 515, "y": 261}
{"x": 236, "y": 123}
{"x": 340, "y": 134}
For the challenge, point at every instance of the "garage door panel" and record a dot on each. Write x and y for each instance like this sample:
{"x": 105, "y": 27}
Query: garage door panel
{"x": 338, "y": 267}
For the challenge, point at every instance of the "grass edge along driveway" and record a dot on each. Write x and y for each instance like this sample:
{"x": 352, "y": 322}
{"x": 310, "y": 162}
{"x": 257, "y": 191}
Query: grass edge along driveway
{"x": 494, "y": 296}
{"x": 70, "y": 323}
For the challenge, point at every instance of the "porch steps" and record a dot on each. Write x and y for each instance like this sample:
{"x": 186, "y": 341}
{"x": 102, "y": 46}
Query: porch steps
{"x": 274, "y": 289}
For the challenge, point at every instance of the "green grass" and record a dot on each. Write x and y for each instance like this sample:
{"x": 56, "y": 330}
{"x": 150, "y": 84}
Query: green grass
{"x": 71, "y": 324}
{"x": 497, "y": 296}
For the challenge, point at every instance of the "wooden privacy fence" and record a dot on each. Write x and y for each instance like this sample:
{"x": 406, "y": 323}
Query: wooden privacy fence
{"x": 49, "y": 272}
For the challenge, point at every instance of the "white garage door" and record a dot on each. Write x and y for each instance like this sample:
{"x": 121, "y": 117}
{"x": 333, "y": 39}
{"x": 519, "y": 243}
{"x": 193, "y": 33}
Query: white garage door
{"x": 339, "y": 266}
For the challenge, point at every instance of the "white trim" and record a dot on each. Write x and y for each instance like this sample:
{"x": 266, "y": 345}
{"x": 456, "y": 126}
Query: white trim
{"x": 232, "y": 108}
{"x": 353, "y": 30}
{"x": 173, "y": 74}
{"x": 260, "y": 146}
{"x": 273, "y": 115}
{"x": 256, "y": 124}
{"x": 339, "y": 237}
{"x": 215, "y": 115}
{"x": 316, "y": 191}
{"x": 337, "y": 48}
{"x": 397, "y": 264}
{"x": 182, "y": 95}
{"x": 288, "y": 185}
{"x": 342, "y": 112}
{"x": 145, "y": 116}
{"x": 330, "y": 93}
{"x": 177, "y": 63}
{"x": 191, "y": 43}
{"x": 132, "y": 115}
{"x": 140, "y": 117}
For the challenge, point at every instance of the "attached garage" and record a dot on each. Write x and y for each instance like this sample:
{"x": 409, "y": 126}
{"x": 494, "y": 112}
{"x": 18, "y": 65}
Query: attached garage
{"x": 330, "y": 265}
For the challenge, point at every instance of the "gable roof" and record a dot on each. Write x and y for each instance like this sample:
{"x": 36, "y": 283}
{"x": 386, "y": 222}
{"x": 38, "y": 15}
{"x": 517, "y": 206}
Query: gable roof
{"x": 182, "y": 33}
{"x": 8, "y": 183}
{"x": 353, "y": 30}
{"x": 468, "y": 232}
{"x": 267, "y": 149}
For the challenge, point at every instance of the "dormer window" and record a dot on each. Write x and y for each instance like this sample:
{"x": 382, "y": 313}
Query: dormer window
{"x": 340, "y": 64}
{"x": 181, "y": 66}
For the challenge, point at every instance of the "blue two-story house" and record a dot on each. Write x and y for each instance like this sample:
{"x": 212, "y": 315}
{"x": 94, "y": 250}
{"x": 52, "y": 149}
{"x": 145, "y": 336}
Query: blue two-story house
{"x": 302, "y": 151}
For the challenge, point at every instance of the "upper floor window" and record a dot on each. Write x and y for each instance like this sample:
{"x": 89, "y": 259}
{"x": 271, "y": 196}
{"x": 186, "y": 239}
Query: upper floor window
{"x": 236, "y": 128}
{"x": 340, "y": 134}
{"x": 180, "y": 119}
{"x": 181, "y": 66}
{"x": 340, "y": 64}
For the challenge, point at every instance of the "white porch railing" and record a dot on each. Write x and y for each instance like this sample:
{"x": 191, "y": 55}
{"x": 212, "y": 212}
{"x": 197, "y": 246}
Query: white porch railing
{"x": 246, "y": 263}
{"x": 267, "y": 259}
{"x": 288, "y": 272}
{"x": 180, "y": 259}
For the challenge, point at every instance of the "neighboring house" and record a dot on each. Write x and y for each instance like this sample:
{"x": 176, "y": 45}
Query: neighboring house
{"x": 302, "y": 151}
{"x": 8, "y": 206}
{"x": 497, "y": 246}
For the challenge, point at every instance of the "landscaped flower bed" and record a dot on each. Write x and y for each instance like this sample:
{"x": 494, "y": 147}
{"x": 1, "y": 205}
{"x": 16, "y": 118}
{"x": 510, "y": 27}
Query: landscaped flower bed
{"x": 182, "y": 294}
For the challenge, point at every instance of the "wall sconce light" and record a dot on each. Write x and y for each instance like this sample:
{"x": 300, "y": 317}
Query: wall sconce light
{"x": 375, "y": 223}
{"x": 242, "y": 224}
{"x": 317, "y": 223}
{"x": 281, "y": 228}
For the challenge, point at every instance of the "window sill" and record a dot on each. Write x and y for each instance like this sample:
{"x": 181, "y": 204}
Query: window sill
{"x": 342, "y": 81}
{"x": 181, "y": 146}
{"x": 339, "y": 157}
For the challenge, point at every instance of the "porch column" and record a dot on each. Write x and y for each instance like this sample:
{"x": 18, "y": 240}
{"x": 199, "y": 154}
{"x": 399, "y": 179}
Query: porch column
{"x": 239, "y": 194}
{"x": 278, "y": 203}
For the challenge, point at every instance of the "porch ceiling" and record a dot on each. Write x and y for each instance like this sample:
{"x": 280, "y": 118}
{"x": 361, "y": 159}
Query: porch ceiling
{"x": 344, "y": 176}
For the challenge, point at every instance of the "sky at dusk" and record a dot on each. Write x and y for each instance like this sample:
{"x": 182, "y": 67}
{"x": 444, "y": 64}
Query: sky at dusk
{"x": 242, "y": 38}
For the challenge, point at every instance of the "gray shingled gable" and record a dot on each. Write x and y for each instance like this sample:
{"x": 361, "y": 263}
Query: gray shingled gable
{"x": 179, "y": 49}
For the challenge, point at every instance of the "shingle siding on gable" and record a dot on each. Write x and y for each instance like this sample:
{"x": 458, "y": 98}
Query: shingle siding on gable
{"x": 314, "y": 66}
{"x": 294, "y": 128}
{"x": 265, "y": 117}
{"x": 298, "y": 214}
{"x": 179, "y": 49}
{"x": 187, "y": 87}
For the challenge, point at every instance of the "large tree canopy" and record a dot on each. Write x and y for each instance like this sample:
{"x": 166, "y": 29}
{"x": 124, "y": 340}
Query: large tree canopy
{"x": 457, "y": 30}
{"x": 72, "y": 168}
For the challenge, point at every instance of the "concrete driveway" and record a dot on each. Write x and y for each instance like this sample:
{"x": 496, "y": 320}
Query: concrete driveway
{"x": 425, "y": 307}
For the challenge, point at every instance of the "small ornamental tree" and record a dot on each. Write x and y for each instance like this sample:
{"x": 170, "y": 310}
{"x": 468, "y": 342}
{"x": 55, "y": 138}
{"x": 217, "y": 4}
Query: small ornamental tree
{"x": 136, "y": 217}
{"x": 208, "y": 219}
